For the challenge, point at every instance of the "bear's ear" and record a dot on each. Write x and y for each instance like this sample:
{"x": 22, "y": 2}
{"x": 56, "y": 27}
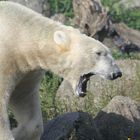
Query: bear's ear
{"x": 61, "y": 39}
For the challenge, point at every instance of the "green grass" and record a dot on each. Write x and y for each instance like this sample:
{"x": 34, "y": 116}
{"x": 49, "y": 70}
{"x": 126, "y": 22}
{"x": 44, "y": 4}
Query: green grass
{"x": 48, "y": 89}
{"x": 117, "y": 54}
{"x": 61, "y": 6}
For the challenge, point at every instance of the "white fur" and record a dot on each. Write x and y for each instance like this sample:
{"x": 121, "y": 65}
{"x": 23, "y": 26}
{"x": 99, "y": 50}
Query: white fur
{"x": 29, "y": 43}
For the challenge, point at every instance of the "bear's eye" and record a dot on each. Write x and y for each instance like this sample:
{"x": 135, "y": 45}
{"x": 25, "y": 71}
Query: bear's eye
{"x": 98, "y": 53}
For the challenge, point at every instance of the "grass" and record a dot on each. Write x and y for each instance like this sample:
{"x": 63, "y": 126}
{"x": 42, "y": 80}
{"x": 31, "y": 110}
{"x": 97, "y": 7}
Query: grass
{"x": 48, "y": 90}
{"x": 61, "y": 6}
{"x": 119, "y": 55}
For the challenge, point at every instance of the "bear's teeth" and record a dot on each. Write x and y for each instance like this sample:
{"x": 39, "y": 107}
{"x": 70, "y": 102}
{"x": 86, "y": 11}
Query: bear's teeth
{"x": 77, "y": 93}
{"x": 84, "y": 80}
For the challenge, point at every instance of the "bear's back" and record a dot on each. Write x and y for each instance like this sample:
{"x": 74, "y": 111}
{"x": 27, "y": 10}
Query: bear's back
{"x": 15, "y": 11}
{"x": 18, "y": 15}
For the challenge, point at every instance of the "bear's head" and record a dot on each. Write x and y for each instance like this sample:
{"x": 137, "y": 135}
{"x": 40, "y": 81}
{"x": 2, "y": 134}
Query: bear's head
{"x": 81, "y": 57}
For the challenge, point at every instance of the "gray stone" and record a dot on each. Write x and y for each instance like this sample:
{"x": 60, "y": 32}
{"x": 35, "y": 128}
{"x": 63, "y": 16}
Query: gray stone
{"x": 129, "y": 3}
{"x": 119, "y": 120}
{"x": 74, "y": 126}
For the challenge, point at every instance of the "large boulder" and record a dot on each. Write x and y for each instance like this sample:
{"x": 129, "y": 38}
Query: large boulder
{"x": 90, "y": 16}
{"x": 119, "y": 120}
{"x": 129, "y": 3}
{"x": 73, "y": 126}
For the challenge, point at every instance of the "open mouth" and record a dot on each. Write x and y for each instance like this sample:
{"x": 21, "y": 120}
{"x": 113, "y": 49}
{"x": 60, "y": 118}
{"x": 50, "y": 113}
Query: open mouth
{"x": 81, "y": 88}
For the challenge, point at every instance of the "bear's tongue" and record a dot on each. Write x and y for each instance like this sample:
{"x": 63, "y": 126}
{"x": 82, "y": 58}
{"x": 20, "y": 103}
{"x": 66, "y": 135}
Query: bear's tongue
{"x": 82, "y": 85}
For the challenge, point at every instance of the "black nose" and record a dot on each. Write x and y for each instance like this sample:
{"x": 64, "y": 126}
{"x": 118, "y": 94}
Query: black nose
{"x": 116, "y": 75}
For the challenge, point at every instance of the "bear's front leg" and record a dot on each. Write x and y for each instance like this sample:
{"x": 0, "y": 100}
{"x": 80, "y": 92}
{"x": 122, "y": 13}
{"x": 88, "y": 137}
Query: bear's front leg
{"x": 5, "y": 132}
{"x": 26, "y": 108}
{"x": 28, "y": 114}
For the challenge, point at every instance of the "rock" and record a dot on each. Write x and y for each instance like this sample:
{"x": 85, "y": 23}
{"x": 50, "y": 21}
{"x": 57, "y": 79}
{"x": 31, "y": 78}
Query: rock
{"x": 119, "y": 120}
{"x": 125, "y": 38}
{"x": 74, "y": 126}
{"x": 129, "y": 3}
{"x": 90, "y": 16}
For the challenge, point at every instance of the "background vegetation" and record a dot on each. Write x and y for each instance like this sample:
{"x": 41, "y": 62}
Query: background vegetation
{"x": 118, "y": 14}
{"x": 61, "y": 6}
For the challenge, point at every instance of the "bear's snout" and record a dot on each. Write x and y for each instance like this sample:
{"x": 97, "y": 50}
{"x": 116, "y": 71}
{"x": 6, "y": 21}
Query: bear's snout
{"x": 116, "y": 75}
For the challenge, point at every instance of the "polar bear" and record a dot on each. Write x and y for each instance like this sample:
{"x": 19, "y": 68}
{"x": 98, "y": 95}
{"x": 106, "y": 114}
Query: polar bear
{"x": 31, "y": 44}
